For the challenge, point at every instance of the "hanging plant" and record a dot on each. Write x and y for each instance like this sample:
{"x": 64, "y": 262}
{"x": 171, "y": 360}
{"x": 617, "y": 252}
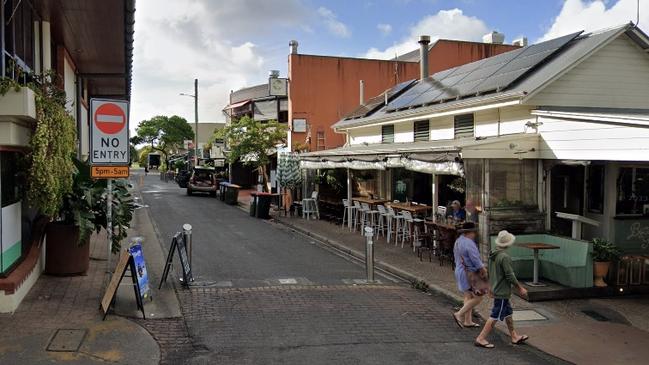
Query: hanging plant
{"x": 52, "y": 148}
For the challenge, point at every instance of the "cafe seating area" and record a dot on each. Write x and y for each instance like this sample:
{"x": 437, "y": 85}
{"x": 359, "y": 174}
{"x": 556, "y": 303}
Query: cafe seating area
{"x": 569, "y": 265}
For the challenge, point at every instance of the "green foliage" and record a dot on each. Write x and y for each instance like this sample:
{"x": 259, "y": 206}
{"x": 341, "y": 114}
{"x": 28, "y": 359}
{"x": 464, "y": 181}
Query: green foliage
{"x": 164, "y": 134}
{"x": 251, "y": 141}
{"x": 249, "y": 138}
{"x": 419, "y": 285}
{"x": 605, "y": 251}
{"x": 52, "y": 147}
{"x": 144, "y": 155}
{"x": 86, "y": 206}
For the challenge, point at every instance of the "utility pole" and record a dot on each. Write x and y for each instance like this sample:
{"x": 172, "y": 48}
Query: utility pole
{"x": 196, "y": 122}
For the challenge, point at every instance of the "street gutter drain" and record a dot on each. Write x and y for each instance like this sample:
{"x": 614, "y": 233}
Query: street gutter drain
{"x": 66, "y": 340}
{"x": 595, "y": 315}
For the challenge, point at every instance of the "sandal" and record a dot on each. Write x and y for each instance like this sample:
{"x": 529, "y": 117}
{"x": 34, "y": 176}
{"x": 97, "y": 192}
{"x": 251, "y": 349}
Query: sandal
{"x": 521, "y": 340}
{"x": 484, "y": 345}
{"x": 472, "y": 325}
{"x": 457, "y": 321}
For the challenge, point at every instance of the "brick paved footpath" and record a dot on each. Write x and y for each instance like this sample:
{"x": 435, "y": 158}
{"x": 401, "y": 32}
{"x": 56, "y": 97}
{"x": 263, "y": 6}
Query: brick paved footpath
{"x": 567, "y": 334}
{"x": 339, "y": 324}
{"x": 72, "y": 302}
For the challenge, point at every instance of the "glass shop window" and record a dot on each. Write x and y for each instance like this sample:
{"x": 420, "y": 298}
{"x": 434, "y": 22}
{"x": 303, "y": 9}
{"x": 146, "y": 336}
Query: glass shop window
{"x": 595, "y": 188}
{"x": 512, "y": 183}
{"x": 10, "y": 178}
{"x": 633, "y": 191}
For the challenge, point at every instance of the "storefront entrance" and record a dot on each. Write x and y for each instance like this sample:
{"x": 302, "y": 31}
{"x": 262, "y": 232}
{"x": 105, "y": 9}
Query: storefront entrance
{"x": 566, "y": 195}
{"x": 412, "y": 186}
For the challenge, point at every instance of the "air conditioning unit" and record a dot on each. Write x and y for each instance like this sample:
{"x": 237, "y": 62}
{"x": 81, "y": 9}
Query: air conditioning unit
{"x": 494, "y": 38}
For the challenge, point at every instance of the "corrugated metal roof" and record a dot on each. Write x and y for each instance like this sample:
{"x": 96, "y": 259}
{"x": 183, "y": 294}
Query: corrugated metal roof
{"x": 249, "y": 93}
{"x": 546, "y": 71}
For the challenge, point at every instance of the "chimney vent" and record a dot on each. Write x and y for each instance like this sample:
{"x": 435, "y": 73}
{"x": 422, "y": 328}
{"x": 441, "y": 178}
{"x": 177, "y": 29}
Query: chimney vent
{"x": 424, "y": 41}
{"x": 521, "y": 42}
{"x": 293, "y": 46}
{"x": 273, "y": 74}
{"x": 494, "y": 38}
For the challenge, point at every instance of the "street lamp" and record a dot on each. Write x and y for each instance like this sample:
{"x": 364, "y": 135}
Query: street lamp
{"x": 195, "y": 96}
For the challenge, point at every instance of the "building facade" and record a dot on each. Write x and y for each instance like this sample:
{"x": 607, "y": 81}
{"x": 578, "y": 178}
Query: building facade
{"x": 89, "y": 45}
{"x": 550, "y": 138}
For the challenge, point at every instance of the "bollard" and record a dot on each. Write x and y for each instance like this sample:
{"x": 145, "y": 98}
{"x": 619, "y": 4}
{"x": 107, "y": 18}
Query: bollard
{"x": 369, "y": 254}
{"x": 187, "y": 230}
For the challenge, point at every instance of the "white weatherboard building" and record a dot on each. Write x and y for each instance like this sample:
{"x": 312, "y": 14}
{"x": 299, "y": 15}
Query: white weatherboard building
{"x": 558, "y": 126}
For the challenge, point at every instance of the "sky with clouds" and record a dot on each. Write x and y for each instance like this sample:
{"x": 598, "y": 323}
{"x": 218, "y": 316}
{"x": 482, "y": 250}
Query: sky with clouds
{"x": 230, "y": 44}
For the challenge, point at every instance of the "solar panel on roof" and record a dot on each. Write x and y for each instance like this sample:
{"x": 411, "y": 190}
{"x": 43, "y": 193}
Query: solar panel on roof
{"x": 482, "y": 76}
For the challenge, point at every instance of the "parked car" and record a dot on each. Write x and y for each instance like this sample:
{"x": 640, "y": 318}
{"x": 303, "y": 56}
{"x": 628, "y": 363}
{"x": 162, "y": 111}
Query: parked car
{"x": 182, "y": 178}
{"x": 203, "y": 179}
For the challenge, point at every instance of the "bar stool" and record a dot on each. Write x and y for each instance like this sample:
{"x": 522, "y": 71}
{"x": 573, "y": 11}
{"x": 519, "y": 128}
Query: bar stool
{"x": 369, "y": 217}
{"x": 310, "y": 206}
{"x": 358, "y": 214}
{"x": 413, "y": 229}
{"x": 351, "y": 216}
{"x": 384, "y": 219}
{"x": 398, "y": 225}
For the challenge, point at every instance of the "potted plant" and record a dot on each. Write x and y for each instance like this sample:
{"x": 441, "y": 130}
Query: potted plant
{"x": 604, "y": 252}
{"x": 82, "y": 212}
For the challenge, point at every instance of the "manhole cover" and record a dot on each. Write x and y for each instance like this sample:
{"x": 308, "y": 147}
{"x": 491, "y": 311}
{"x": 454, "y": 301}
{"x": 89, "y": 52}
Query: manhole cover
{"x": 595, "y": 315}
{"x": 528, "y": 315}
{"x": 66, "y": 340}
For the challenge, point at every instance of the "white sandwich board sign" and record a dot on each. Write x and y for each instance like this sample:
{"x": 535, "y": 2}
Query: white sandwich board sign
{"x": 109, "y": 144}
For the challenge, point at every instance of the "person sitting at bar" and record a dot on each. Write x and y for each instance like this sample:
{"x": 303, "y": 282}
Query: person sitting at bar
{"x": 457, "y": 213}
{"x": 471, "y": 212}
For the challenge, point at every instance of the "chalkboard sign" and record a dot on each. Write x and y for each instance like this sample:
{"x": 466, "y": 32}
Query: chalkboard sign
{"x": 177, "y": 244}
{"x": 184, "y": 260}
{"x": 125, "y": 262}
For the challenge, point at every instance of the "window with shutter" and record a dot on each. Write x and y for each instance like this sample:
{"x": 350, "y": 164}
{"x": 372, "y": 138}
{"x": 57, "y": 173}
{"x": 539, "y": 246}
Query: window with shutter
{"x": 421, "y": 130}
{"x": 464, "y": 125}
{"x": 387, "y": 134}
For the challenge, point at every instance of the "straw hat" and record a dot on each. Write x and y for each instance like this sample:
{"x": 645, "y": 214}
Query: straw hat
{"x": 505, "y": 239}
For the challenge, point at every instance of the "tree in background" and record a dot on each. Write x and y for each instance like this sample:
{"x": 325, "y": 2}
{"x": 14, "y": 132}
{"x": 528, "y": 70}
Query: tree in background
{"x": 251, "y": 142}
{"x": 143, "y": 155}
{"x": 164, "y": 134}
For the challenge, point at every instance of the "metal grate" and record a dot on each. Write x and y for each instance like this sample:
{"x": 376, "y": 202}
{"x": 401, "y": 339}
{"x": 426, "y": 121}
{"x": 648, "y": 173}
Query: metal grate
{"x": 422, "y": 130}
{"x": 387, "y": 134}
{"x": 464, "y": 126}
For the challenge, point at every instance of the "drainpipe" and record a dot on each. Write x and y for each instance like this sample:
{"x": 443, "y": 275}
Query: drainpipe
{"x": 361, "y": 88}
{"x": 424, "y": 41}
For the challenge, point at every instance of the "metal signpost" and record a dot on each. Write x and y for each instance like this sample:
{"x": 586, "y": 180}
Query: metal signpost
{"x": 109, "y": 150}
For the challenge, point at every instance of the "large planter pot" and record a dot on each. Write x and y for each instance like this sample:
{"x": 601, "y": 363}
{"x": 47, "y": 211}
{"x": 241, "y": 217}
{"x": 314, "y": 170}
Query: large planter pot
{"x": 63, "y": 254}
{"x": 600, "y": 270}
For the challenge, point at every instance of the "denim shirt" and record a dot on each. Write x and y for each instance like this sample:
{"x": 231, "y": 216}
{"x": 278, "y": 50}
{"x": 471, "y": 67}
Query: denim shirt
{"x": 466, "y": 254}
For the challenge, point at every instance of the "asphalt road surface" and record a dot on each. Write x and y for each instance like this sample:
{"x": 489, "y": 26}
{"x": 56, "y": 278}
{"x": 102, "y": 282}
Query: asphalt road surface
{"x": 266, "y": 295}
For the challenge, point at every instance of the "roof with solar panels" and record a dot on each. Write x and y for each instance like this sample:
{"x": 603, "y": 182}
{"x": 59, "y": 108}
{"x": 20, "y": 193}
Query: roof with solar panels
{"x": 506, "y": 76}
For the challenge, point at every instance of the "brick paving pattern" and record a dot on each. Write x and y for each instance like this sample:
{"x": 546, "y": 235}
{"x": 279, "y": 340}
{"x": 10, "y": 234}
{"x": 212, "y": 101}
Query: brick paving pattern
{"x": 339, "y": 324}
{"x": 172, "y": 337}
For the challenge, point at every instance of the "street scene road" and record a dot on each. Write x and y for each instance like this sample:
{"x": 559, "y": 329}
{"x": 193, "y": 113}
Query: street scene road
{"x": 274, "y": 296}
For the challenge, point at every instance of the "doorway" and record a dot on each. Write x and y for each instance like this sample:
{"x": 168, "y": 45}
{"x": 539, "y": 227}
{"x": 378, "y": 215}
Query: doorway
{"x": 566, "y": 195}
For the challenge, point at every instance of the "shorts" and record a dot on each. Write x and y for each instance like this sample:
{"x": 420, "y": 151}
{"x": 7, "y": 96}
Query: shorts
{"x": 501, "y": 309}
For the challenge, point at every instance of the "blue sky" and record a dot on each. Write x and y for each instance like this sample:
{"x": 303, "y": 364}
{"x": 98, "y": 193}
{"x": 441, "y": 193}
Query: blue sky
{"x": 230, "y": 44}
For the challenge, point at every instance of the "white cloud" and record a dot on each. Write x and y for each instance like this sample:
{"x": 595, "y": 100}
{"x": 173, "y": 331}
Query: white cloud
{"x": 448, "y": 24}
{"x": 335, "y": 26}
{"x": 385, "y": 29}
{"x": 576, "y": 15}
{"x": 187, "y": 39}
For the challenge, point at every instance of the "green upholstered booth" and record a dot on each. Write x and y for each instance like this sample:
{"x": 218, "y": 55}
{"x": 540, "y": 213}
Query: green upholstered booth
{"x": 570, "y": 265}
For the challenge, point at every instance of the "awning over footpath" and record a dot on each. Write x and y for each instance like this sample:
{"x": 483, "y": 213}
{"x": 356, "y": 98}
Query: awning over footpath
{"x": 422, "y": 157}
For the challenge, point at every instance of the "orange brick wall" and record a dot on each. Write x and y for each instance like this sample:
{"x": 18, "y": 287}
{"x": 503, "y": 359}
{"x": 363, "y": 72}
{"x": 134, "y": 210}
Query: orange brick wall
{"x": 323, "y": 89}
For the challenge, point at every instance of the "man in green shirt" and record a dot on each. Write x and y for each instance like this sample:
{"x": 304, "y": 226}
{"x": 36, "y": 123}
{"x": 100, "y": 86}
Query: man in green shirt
{"x": 502, "y": 278}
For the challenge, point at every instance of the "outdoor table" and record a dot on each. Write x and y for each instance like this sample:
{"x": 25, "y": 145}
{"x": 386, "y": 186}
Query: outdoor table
{"x": 369, "y": 201}
{"x": 415, "y": 209}
{"x": 536, "y": 247}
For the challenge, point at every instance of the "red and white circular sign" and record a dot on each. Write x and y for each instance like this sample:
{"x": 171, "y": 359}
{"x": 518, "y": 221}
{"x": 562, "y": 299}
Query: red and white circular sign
{"x": 110, "y": 118}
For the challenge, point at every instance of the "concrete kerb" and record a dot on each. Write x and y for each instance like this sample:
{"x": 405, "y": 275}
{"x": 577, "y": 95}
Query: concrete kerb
{"x": 402, "y": 274}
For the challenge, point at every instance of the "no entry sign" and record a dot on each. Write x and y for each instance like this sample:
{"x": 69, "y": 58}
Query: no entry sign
{"x": 109, "y": 143}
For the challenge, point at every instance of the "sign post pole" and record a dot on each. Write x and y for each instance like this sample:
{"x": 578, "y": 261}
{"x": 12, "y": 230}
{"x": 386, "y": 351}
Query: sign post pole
{"x": 109, "y": 219}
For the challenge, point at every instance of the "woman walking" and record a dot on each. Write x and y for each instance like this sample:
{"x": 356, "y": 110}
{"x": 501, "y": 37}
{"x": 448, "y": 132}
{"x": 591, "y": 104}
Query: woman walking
{"x": 468, "y": 263}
